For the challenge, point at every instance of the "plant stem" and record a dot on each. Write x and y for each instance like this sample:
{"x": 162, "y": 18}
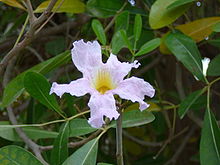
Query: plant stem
{"x": 119, "y": 151}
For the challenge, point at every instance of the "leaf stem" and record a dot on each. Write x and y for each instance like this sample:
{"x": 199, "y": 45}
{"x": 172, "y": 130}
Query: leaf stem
{"x": 119, "y": 149}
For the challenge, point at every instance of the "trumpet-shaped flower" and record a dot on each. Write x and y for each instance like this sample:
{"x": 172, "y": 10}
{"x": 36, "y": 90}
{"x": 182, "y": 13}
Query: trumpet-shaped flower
{"x": 102, "y": 81}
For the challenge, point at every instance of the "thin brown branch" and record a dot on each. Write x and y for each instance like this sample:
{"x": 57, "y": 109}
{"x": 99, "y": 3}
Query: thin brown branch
{"x": 181, "y": 147}
{"x": 149, "y": 66}
{"x": 142, "y": 142}
{"x": 32, "y": 145}
{"x": 32, "y": 17}
{"x": 28, "y": 37}
{"x": 75, "y": 144}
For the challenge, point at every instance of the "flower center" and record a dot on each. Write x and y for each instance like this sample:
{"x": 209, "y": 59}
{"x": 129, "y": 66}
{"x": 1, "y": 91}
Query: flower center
{"x": 103, "y": 81}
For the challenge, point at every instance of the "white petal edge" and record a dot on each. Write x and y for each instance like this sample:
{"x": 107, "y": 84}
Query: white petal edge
{"x": 119, "y": 70}
{"x": 77, "y": 88}
{"x": 135, "y": 89}
{"x": 100, "y": 106}
{"x": 86, "y": 55}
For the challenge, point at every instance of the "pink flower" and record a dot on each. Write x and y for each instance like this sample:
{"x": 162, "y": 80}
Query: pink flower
{"x": 102, "y": 81}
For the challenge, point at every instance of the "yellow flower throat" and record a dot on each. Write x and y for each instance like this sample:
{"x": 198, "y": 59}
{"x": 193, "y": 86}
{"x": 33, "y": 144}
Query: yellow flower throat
{"x": 103, "y": 81}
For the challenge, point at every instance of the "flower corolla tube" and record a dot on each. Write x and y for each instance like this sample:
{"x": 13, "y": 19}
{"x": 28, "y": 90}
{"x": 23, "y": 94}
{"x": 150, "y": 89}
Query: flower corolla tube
{"x": 102, "y": 81}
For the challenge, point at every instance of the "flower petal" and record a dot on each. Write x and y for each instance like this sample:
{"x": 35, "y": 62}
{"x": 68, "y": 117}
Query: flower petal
{"x": 119, "y": 69}
{"x": 86, "y": 55}
{"x": 101, "y": 105}
{"x": 135, "y": 89}
{"x": 78, "y": 87}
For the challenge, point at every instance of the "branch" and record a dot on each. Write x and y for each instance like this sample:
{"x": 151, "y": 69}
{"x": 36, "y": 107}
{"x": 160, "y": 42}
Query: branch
{"x": 28, "y": 37}
{"x": 75, "y": 144}
{"x": 181, "y": 147}
{"x": 32, "y": 145}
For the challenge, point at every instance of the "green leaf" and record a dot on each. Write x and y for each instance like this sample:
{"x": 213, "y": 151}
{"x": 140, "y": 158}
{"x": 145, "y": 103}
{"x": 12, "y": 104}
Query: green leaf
{"x": 122, "y": 21}
{"x": 216, "y": 27}
{"x": 99, "y": 31}
{"x": 117, "y": 42}
{"x": 186, "y": 51}
{"x": 137, "y": 27}
{"x": 14, "y": 3}
{"x": 179, "y": 3}
{"x": 188, "y": 102}
{"x": 161, "y": 15}
{"x": 149, "y": 46}
{"x": 59, "y": 152}
{"x": 14, "y": 155}
{"x": 16, "y": 87}
{"x": 135, "y": 118}
{"x": 32, "y": 132}
{"x": 210, "y": 141}
{"x": 79, "y": 127}
{"x": 68, "y": 6}
{"x": 104, "y": 164}
{"x": 126, "y": 40}
{"x": 39, "y": 88}
{"x": 86, "y": 155}
{"x": 103, "y": 9}
{"x": 214, "y": 69}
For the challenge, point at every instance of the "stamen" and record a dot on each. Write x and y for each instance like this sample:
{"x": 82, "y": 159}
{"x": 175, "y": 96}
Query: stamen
{"x": 103, "y": 81}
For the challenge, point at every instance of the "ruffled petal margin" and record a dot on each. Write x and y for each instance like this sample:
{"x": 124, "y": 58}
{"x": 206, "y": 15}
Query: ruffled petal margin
{"x": 119, "y": 69}
{"x": 135, "y": 89}
{"x": 77, "y": 88}
{"x": 86, "y": 55}
{"x": 100, "y": 106}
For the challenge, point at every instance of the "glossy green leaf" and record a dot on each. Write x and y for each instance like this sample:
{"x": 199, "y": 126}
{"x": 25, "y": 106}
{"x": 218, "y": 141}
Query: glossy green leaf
{"x": 210, "y": 141}
{"x": 39, "y": 88}
{"x": 32, "y": 132}
{"x": 86, "y": 155}
{"x": 16, "y": 87}
{"x": 161, "y": 16}
{"x": 137, "y": 27}
{"x": 15, "y": 155}
{"x": 126, "y": 40}
{"x": 117, "y": 42}
{"x": 59, "y": 152}
{"x": 186, "y": 51}
{"x": 68, "y": 6}
{"x": 79, "y": 127}
{"x": 214, "y": 69}
{"x": 135, "y": 118}
{"x": 122, "y": 21}
{"x": 216, "y": 27}
{"x": 99, "y": 31}
{"x": 179, "y": 3}
{"x": 186, "y": 104}
{"x": 149, "y": 46}
{"x": 104, "y": 164}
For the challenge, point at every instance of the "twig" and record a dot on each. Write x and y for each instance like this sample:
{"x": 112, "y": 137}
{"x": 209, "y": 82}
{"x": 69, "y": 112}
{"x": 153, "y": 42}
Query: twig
{"x": 28, "y": 37}
{"x": 35, "y": 53}
{"x": 149, "y": 66}
{"x": 181, "y": 147}
{"x": 75, "y": 144}
{"x": 142, "y": 142}
{"x": 32, "y": 17}
{"x": 32, "y": 145}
